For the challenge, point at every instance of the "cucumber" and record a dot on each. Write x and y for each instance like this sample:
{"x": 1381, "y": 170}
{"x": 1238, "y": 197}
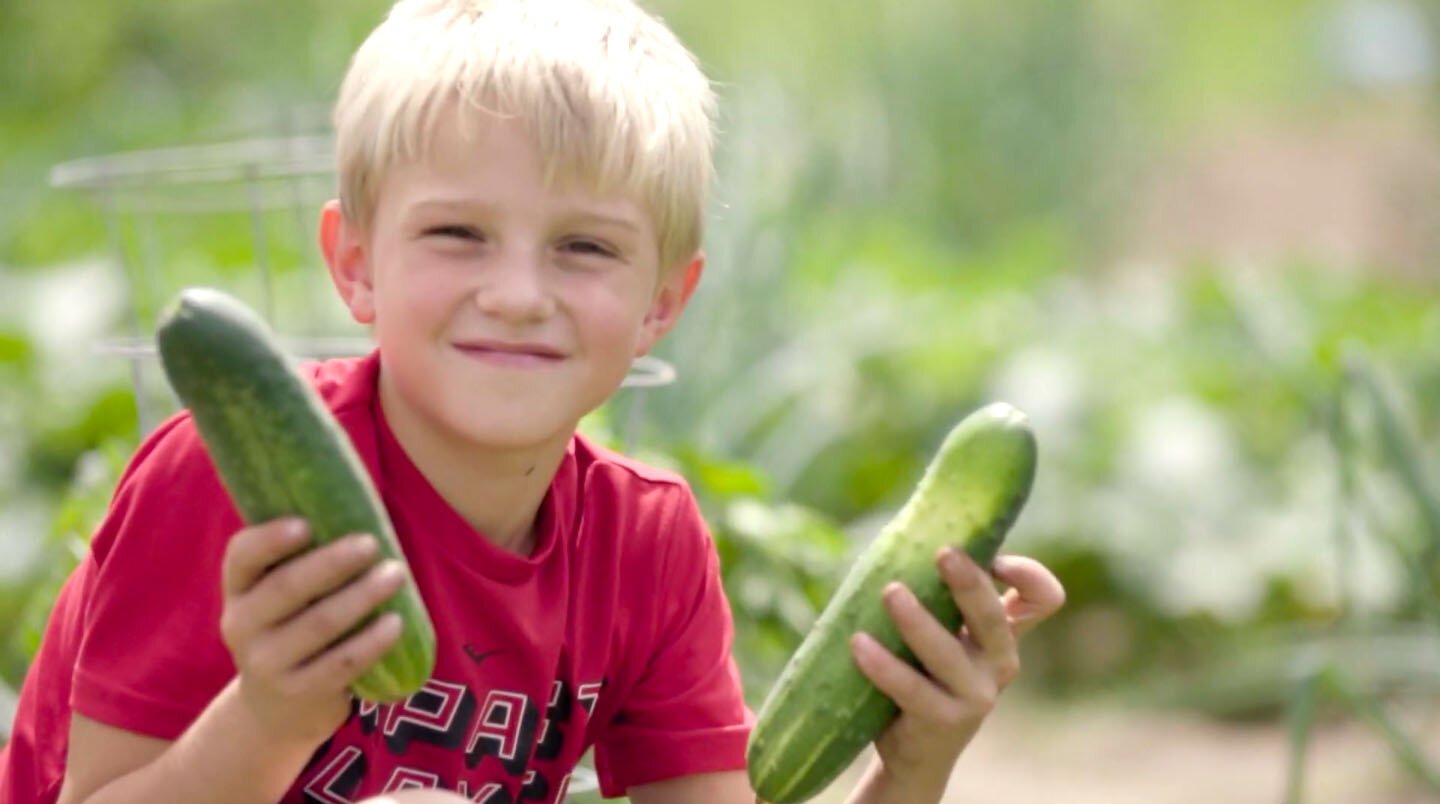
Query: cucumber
{"x": 822, "y": 710}
{"x": 280, "y": 452}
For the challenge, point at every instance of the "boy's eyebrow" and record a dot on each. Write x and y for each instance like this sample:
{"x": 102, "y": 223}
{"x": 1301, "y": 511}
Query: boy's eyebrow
{"x": 573, "y": 213}
{"x": 446, "y": 205}
{"x": 600, "y": 217}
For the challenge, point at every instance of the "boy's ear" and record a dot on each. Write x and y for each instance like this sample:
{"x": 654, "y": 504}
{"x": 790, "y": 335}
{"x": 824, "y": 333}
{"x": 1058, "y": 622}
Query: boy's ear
{"x": 343, "y": 245}
{"x": 669, "y": 302}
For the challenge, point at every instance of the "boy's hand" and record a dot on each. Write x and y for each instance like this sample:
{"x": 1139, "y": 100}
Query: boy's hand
{"x": 284, "y": 617}
{"x": 941, "y": 709}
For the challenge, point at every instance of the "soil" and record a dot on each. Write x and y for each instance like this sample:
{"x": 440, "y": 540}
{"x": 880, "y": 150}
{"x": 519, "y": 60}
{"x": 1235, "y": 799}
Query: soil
{"x": 1096, "y": 754}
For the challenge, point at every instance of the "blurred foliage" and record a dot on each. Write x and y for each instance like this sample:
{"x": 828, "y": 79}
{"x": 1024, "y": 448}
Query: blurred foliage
{"x": 918, "y": 212}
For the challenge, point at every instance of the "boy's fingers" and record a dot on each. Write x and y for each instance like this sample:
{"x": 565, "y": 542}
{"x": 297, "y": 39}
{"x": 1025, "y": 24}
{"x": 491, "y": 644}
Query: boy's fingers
{"x": 347, "y": 661}
{"x": 901, "y": 683}
{"x": 985, "y": 617}
{"x": 1035, "y": 593}
{"x": 255, "y": 549}
{"x": 297, "y": 583}
{"x": 324, "y": 623}
{"x": 941, "y": 654}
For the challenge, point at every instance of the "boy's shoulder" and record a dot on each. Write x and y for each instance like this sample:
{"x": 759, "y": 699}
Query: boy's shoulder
{"x": 591, "y": 454}
{"x": 616, "y": 487}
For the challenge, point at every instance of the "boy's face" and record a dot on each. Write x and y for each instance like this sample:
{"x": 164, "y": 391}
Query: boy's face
{"x": 504, "y": 310}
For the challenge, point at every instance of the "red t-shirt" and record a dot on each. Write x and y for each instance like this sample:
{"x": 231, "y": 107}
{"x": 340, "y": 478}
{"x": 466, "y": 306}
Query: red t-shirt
{"x": 614, "y": 632}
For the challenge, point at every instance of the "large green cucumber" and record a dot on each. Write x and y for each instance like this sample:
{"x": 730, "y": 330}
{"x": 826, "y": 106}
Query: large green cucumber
{"x": 280, "y": 452}
{"x": 822, "y": 710}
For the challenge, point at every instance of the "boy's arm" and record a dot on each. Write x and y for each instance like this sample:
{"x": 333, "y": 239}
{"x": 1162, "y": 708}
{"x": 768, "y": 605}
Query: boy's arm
{"x": 100, "y": 752}
{"x": 226, "y": 756}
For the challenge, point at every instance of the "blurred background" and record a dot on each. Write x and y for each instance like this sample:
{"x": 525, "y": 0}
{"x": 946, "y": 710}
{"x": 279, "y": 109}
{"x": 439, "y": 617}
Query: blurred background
{"x": 1195, "y": 240}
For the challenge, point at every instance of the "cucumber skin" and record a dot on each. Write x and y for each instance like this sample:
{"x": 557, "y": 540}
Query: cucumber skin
{"x": 280, "y": 452}
{"x": 822, "y": 711}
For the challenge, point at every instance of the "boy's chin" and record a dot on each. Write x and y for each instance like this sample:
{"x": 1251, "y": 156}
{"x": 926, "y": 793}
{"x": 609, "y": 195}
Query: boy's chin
{"x": 499, "y": 431}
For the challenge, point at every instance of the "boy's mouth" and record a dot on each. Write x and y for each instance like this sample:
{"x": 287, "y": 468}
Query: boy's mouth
{"x": 510, "y": 353}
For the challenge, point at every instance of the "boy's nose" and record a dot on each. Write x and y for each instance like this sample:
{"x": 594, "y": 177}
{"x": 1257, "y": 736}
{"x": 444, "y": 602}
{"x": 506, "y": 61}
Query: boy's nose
{"x": 514, "y": 289}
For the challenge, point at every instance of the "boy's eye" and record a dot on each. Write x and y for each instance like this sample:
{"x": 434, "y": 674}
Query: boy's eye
{"x": 455, "y": 231}
{"x": 590, "y": 247}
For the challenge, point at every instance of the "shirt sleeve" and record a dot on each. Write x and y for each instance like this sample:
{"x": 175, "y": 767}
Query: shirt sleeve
{"x": 152, "y": 658}
{"x": 686, "y": 712}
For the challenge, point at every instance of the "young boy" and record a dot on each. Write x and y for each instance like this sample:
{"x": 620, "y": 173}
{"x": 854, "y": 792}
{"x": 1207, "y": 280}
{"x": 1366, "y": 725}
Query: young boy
{"x": 522, "y": 187}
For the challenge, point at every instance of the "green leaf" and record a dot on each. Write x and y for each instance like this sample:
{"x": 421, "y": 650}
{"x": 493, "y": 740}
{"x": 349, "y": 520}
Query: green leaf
{"x": 1402, "y": 444}
{"x": 1400, "y": 743}
{"x": 1300, "y": 717}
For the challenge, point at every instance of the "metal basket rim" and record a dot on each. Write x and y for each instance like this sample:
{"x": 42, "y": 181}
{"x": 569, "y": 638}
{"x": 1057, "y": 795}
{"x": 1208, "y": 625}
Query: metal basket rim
{"x": 209, "y": 163}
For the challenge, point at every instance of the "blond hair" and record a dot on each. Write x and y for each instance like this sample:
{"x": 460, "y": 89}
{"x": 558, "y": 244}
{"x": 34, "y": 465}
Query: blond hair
{"x": 613, "y": 100}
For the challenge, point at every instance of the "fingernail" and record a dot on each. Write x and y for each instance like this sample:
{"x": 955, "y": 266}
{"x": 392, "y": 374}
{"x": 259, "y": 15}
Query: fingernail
{"x": 390, "y": 624}
{"x": 862, "y": 643}
{"x": 391, "y": 571}
{"x": 296, "y": 529}
{"x": 951, "y": 560}
{"x": 895, "y": 593}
